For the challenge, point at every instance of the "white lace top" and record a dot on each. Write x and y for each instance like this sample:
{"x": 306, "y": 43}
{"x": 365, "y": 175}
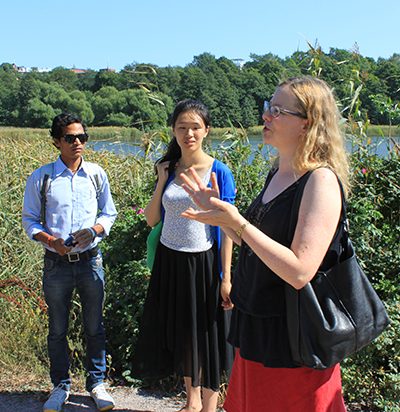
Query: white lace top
{"x": 179, "y": 233}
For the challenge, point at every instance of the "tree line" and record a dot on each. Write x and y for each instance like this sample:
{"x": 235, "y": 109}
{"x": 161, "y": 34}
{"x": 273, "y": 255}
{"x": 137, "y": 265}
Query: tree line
{"x": 143, "y": 95}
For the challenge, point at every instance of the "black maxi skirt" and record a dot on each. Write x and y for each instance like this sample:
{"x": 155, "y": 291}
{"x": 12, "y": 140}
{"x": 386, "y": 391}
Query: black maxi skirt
{"x": 184, "y": 328}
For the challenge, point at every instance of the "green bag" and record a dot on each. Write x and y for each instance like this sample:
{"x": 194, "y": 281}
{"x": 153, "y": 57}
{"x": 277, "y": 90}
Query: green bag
{"x": 152, "y": 242}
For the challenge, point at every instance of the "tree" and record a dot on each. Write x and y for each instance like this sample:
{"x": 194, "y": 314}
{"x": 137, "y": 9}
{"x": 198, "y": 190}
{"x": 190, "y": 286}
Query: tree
{"x": 389, "y": 72}
{"x": 86, "y": 81}
{"x": 168, "y": 80}
{"x": 9, "y": 88}
{"x": 144, "y": 94}
{"x": 7, "y": 67}
{"x": 66, "y": 78}
{"x": 270, "y": 67}
{"x": 107, "y": 78}
{"x": 29, "y": 89}
{"x": 389, "y": 111}
{"x": 147, "y": 113}
{"x": 372, "y": 86}
{"x": 193, "y": 82}
{"x": 38, "y": 114}
{"x": 140, "y": 76}
{"x": 118, "y": 119}
{"x": 253, "y": 91}
{"x": 106, "y": 101}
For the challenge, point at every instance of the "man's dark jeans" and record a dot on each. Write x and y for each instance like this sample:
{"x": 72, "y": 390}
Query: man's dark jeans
{"x": 60, "y": 278}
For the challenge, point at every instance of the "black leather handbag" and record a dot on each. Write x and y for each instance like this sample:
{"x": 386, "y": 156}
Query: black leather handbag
{"x": 337, "y": 313}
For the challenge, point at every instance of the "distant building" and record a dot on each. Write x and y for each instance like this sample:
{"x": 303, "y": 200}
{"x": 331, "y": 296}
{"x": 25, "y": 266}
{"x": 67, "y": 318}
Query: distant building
{"x": 83, "y": 71}
{"x": 23, "y": 69}
{"x": 78, "y": 71}
{"x": 41, "y": 69}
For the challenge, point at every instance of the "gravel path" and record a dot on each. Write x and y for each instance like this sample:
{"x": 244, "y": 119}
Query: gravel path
{"x": 126, "y": 399}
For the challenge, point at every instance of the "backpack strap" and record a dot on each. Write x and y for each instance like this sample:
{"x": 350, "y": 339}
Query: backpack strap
{"x": 47, "y": 172}
{"x": 95, "y": 179}
{"x": 96, "y": 183}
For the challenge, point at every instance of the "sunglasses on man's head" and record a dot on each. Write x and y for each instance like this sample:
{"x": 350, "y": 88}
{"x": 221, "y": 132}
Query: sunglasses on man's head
{"x": 70, "y": 138}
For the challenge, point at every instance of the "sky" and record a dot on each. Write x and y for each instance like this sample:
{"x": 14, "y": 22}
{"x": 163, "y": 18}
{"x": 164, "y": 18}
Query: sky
{"x": 95, "y": 34}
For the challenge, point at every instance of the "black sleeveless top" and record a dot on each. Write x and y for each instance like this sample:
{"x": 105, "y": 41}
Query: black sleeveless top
{"x": 257, "y": 292}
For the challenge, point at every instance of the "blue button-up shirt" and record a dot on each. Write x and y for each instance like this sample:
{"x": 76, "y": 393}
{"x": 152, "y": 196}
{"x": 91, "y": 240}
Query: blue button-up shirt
{"x": 71, "y": 202}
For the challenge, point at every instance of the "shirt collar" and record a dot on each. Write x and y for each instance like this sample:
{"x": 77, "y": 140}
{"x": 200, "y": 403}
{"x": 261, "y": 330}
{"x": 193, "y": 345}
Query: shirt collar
{"x": 84, "y": 166}
{"x": 60, "y": 167}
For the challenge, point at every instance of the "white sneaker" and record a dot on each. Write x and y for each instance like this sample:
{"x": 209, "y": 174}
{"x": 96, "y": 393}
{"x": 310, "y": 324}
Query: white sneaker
{"x": 102, "y": 398}
{"x": 56, "y": 399}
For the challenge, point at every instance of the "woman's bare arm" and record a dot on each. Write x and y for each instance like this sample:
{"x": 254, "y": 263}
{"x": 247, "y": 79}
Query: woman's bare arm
{"x": 318, "y": 217}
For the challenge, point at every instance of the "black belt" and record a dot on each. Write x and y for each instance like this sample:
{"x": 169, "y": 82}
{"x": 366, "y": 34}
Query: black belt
{"x": 72, "y": 257}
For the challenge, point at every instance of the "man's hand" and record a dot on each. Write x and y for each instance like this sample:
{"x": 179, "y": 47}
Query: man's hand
{"x": 58, "y": 245}
{"x": 83, "y": 237}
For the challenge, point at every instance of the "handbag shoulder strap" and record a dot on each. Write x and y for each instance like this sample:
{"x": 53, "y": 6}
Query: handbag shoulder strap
{"x": 294, "y": 214}
{"x": 343, "y": 227}
{"x": 347, "y": 246}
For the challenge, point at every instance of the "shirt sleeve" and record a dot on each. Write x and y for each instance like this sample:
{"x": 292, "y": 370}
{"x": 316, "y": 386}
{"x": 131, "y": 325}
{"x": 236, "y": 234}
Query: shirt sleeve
{"x": 226, "y": 183}
{"x": 31, "y": 206}
{"x": 108, "y": 212}
{"x": 227, "y": 192}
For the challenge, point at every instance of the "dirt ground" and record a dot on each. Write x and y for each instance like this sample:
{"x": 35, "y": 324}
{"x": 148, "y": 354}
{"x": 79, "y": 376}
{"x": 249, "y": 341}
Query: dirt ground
{"x": 126, "y": 399}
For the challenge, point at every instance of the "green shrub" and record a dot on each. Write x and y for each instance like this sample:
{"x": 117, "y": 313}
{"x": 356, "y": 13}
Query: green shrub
{"x": 126, "y": 290}
{"x": 372, "y": 376}
{"x": 374, "y": 215}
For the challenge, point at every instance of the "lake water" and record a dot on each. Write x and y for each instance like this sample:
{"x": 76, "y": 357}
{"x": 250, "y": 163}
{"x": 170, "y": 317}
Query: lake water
{"x": 378, "y": 145}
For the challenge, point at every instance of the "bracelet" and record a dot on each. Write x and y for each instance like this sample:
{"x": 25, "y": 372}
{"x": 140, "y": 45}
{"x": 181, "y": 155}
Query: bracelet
{"x": 93, "y": 232}
{"x": 239, "y": 232}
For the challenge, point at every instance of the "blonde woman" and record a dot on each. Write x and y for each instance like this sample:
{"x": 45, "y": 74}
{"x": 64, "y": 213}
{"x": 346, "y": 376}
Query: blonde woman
{"x": 302, "y": 122}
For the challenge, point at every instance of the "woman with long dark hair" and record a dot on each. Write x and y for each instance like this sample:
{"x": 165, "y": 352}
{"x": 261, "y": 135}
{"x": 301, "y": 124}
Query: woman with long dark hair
{"x": 184, "y": 325}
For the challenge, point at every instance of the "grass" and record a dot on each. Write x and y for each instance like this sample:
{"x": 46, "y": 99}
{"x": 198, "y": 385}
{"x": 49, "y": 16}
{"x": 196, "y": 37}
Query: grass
{"x": 22, "y": 322}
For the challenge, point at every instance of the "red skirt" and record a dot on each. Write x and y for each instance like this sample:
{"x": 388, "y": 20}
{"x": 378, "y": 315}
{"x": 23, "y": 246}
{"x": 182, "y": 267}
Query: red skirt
{"x": 255, "y": 388}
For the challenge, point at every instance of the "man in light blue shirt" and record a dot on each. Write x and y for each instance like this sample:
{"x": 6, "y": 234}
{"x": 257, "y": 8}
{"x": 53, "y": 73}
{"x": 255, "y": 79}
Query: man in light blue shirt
{"x": 68, "y": 208}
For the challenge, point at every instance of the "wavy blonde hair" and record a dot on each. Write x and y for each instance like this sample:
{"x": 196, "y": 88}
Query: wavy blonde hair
{"x": 323, "y": 145}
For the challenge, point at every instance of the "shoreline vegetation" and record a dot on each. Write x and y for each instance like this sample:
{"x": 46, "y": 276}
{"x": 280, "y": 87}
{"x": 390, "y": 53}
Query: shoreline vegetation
{"x": 131, "y": 133}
